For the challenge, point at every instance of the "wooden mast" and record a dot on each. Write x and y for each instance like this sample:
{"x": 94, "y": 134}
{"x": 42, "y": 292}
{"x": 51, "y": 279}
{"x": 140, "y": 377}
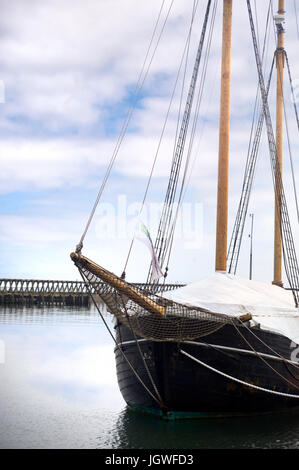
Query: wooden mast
{"x": 279, "y": 19}
{"x": 223, "y": 154}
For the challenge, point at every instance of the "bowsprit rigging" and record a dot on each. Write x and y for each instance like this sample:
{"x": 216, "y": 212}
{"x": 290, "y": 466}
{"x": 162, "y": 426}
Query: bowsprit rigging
{"x": 223, "y": 345}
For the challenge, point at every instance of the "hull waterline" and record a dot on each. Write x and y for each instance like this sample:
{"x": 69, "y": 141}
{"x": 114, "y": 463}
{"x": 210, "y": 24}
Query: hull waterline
{"x": 190, "y": 390}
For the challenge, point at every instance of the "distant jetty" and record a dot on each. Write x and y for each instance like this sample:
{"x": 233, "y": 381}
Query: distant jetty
{"x": 51, "y": 292}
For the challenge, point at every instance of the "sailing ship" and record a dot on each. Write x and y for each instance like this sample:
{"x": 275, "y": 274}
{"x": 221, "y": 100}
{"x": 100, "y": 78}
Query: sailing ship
{"x": 223, "y": 345}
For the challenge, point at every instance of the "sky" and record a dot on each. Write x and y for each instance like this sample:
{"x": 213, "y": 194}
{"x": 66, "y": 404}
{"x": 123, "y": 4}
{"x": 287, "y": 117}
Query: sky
{"x": 68, "y": 72}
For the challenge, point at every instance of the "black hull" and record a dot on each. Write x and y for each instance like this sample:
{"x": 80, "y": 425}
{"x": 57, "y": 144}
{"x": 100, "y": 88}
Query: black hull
{"x": 189, "y": 389}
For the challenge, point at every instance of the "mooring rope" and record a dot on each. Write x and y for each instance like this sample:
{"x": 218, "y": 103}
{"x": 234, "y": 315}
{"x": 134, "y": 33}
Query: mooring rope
{"x": 242, "y": 382}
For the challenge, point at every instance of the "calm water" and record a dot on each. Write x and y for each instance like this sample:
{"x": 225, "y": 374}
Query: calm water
{"x": 58, "y": 389}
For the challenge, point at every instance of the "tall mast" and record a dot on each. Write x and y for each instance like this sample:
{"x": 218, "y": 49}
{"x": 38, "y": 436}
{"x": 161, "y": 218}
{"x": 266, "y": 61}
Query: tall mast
{"x": 223, "y": 154}
{"x": 279, "y": 20}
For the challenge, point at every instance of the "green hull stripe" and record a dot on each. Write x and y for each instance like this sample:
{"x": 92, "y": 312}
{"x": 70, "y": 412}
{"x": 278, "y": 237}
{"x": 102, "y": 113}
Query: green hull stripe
{"x": 176, "y": 415}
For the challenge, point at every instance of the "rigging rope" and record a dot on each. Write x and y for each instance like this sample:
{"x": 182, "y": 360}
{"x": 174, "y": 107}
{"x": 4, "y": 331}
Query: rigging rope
{"x": 182, "y": 92}
{"x": 140, "y": 353}
{"x": 163, "y": 131}
{"x": 157, "y": 400}
{"x": 292, "y": 88}
{"x": 297, "y": 119}
{"x": 238, "y": 230}
{"x": 296, "y": 17}
{"x": 262, "y": 359}
{"x": 165, "y": 219}
{"x": 252, "y": 155}
{"x": 170, "y": 234}
{"x": 288, "y": 246}
{"x": 295, "y": 107}
{"x": 137, "y": 92}
{"x": 288, "y": 395}
{"x": 267, "y": 345}
{"x": 205, "y": 113}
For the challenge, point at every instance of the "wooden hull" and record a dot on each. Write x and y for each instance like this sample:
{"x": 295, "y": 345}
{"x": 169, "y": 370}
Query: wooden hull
{"x": 189, "y": 389}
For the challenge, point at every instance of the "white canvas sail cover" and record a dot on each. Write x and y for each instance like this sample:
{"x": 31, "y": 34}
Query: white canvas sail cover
{"x": 270, "y": 306}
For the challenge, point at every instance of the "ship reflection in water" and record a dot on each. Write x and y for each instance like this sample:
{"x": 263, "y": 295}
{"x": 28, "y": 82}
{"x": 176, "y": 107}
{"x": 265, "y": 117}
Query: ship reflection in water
{"x": 134, "y": 431}
{"x": 59, "y": 390}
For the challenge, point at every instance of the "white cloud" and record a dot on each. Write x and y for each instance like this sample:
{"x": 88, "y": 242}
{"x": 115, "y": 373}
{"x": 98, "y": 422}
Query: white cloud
{"x": 89, "y": 367}
{"x": 67, "y": 69}
{"x": 62, "y": 60}
{"x": 71, "y": 60}
{"x": 49, "y": 163}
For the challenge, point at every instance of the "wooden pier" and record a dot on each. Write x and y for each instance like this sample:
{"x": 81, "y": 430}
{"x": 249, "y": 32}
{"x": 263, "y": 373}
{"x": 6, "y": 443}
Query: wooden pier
{"x": 51, "y": 292}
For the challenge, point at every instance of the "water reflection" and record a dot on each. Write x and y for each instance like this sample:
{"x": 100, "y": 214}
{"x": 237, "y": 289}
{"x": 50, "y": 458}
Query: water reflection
{"x": 50, "y": 315}
{"x": 59, "y": 390}
{"x": 137, "y": 431}
{"x": 58, "y": 373}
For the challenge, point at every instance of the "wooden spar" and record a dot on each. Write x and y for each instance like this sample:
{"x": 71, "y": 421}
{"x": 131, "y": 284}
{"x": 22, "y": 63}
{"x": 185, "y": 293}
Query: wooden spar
{"x": 120, "y": 285}
{"x": 277, "y": 275}
{"x": 223, "y": 153}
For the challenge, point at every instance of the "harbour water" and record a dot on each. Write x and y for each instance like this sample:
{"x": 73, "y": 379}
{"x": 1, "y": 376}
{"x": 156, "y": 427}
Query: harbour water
{"x": 58, "y": 389}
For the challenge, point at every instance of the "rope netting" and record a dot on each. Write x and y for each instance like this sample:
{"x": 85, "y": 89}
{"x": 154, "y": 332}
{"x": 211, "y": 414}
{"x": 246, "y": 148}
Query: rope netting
{"x": 177, "y": 323}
